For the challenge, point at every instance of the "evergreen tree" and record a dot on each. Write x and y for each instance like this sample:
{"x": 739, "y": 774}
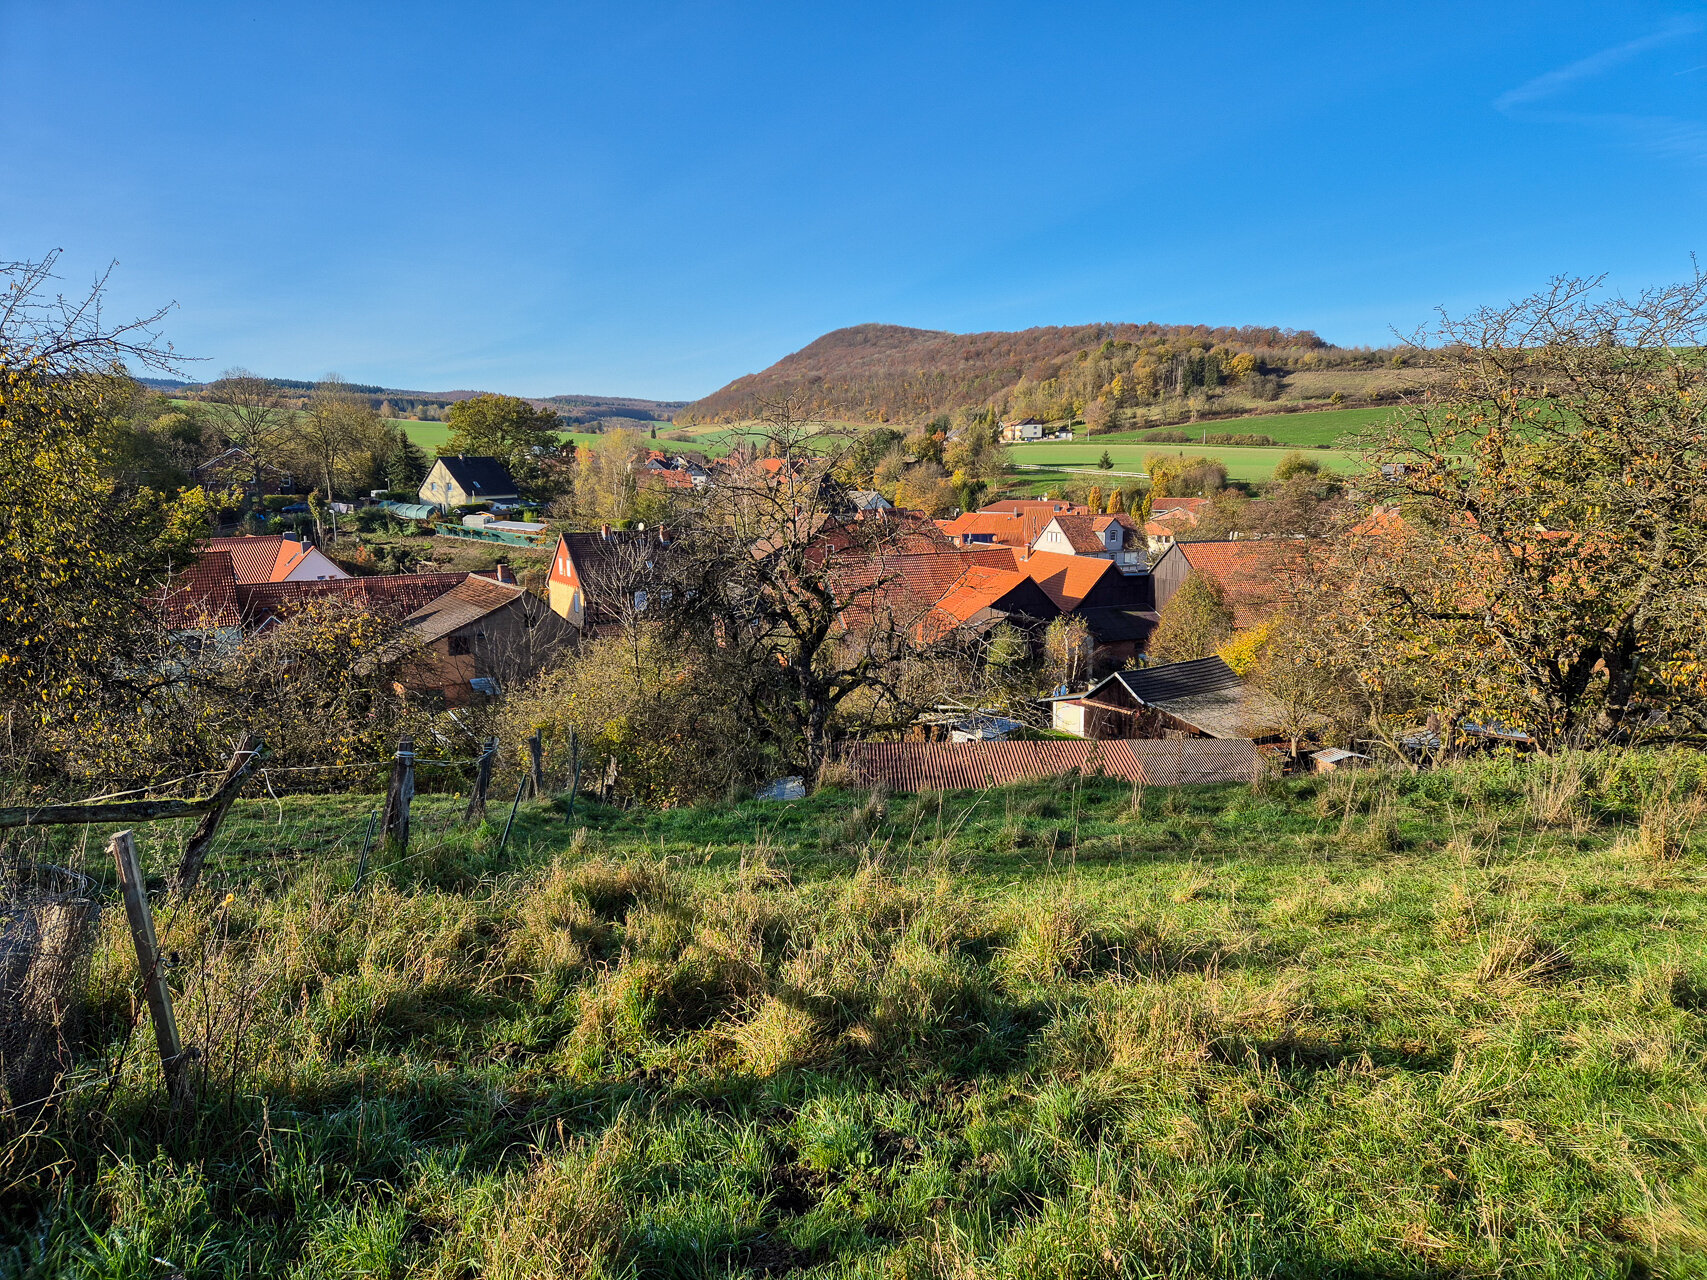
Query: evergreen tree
{"x": 405, "y": 462}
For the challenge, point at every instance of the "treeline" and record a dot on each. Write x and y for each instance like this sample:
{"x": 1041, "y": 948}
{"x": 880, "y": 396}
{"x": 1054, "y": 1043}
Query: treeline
{"x": 887, "y": 373}
{"x": 435, "y": 406}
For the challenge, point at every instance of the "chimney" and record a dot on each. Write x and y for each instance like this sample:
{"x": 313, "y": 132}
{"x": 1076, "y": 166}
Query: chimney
{"x": 604, "y": 532}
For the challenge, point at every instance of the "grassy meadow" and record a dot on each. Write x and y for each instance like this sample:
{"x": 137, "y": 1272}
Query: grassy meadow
{"x": 1304, "y": 430}
{"x": 1372, "y": 1025}
{"x": 1047, "y": 465}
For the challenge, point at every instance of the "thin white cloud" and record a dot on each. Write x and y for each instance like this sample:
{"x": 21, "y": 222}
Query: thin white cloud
{"x": 1664, "y": 135}
{"x": 1545, "y": 86}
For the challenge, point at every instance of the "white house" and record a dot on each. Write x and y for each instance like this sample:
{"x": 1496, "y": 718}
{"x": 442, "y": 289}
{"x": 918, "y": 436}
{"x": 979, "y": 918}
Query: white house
{"x": 1021, "y": 430}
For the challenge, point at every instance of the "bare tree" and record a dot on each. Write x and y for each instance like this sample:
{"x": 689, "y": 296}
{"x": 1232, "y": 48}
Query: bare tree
{"x": 797, "y": 606}
{"x": 71, "y": 335}
{"x": 1543, "y": 562}
{"x": 253, "y": 417}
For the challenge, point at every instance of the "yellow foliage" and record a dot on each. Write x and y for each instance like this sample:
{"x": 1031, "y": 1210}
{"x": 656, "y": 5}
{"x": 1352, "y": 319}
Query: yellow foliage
{"x": 1244, "y": 649}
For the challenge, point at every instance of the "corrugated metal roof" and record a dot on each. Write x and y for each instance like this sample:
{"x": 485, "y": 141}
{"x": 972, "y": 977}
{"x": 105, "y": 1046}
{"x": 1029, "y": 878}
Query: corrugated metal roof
{"x": 951, "y": 766}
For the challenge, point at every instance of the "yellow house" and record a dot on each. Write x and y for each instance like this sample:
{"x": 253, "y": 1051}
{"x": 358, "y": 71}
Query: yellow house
{"x": 457, "y": 480}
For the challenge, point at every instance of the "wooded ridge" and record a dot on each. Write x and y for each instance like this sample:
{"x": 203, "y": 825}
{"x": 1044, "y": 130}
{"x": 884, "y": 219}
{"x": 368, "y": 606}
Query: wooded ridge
{"x": 884, "y": 372}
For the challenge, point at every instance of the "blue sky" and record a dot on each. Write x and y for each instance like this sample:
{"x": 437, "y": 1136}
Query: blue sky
{"x": 652, "y": 199}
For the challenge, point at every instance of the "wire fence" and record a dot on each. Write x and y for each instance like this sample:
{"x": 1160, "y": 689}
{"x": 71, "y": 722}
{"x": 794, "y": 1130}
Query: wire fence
{"x": 54, "y": 878}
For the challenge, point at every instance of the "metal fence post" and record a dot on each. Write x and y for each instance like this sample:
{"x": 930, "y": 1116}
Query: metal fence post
{"x": 399, "y": 794}
{"x": 482, "y": 780}
{"x": 511, "y": 820}
{"x": 536, "y": 767}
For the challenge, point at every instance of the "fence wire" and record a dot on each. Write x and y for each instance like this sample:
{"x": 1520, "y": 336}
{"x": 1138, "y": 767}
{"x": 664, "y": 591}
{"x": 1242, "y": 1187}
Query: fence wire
{"x": 53, "y": 880}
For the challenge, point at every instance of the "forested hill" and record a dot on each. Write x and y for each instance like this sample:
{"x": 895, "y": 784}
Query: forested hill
{"x": 885, "y": 372}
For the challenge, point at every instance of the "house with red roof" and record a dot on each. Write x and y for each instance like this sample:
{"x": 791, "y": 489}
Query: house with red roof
{"x": 275, "y": 558}
{"x": 1171, "y": 519}
{"x": 983, "y": 597}
{"x": 1254, "y": 573}
{"x": 1109, "y": 537}
{"x": 596, "y": 577}
{"x": 479, "y": 638}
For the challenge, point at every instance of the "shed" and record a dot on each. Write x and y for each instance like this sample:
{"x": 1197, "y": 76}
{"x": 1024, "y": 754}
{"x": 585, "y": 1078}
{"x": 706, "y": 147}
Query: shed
{"x": 1333, "y": 759}
{"x": 1201, "y": 698}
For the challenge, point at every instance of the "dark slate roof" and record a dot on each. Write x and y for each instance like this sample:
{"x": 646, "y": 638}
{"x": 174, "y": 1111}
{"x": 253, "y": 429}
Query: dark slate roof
{"x": 480, "y": 477}
{"x": 1205, "y": 693}
{"x": 1174, "y": 680}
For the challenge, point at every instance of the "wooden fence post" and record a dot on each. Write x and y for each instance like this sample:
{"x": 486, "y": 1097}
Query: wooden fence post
{"x": 195, "y": 853}
{"x": 482, "y": 780}
{"x": 154, "y": 987}
{"x": 399, "y": 794}
{"x": 536, "y": 767}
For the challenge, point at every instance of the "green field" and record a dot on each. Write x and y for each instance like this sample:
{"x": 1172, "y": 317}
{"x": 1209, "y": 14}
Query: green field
{"x": 1303, "y": 430}
{"x": 711, "y": 441}
{"x": 1241, "y": 463}
{"x": 1364, "y": 1025}
{"x": 1128, "y": 449}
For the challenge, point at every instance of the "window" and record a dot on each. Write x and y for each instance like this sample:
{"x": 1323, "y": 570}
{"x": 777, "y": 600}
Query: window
{"x": 460, "y": 646}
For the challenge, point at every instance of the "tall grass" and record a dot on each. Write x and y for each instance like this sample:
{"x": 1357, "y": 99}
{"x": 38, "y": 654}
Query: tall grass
{"x": 1355, "y": 1026}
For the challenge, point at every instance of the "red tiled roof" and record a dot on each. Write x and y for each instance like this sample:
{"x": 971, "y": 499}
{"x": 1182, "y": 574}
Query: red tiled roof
{"x": 259, "y": 558}
{"x": 981, "y": 588}
{"x": 1380, "y": 520}
{"x": 948, "y": 766}
{"x": 670, "y": 478}
{"x": 1251, "y": 571}
{"x": 1035, "y": 512}
{"x": 1067, "y": 579}
{"x": 1167, "y": 506}
{"x": 1054, "y": 506}
{"x": 203, "y": 596}
{"x": 396, "y": 595}
{"x": 1011, "y": 528}
{"x": 916, "y": 580}
{"x": 978, "y": 589}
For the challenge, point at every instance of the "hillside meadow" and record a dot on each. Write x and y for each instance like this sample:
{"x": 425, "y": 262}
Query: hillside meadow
{"x": 1362, "y": 1025}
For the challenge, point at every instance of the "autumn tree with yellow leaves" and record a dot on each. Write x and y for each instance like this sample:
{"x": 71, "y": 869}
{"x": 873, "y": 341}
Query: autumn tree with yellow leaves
{"x": 82, "y": 552}
{"x": 1540, "y": 557}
